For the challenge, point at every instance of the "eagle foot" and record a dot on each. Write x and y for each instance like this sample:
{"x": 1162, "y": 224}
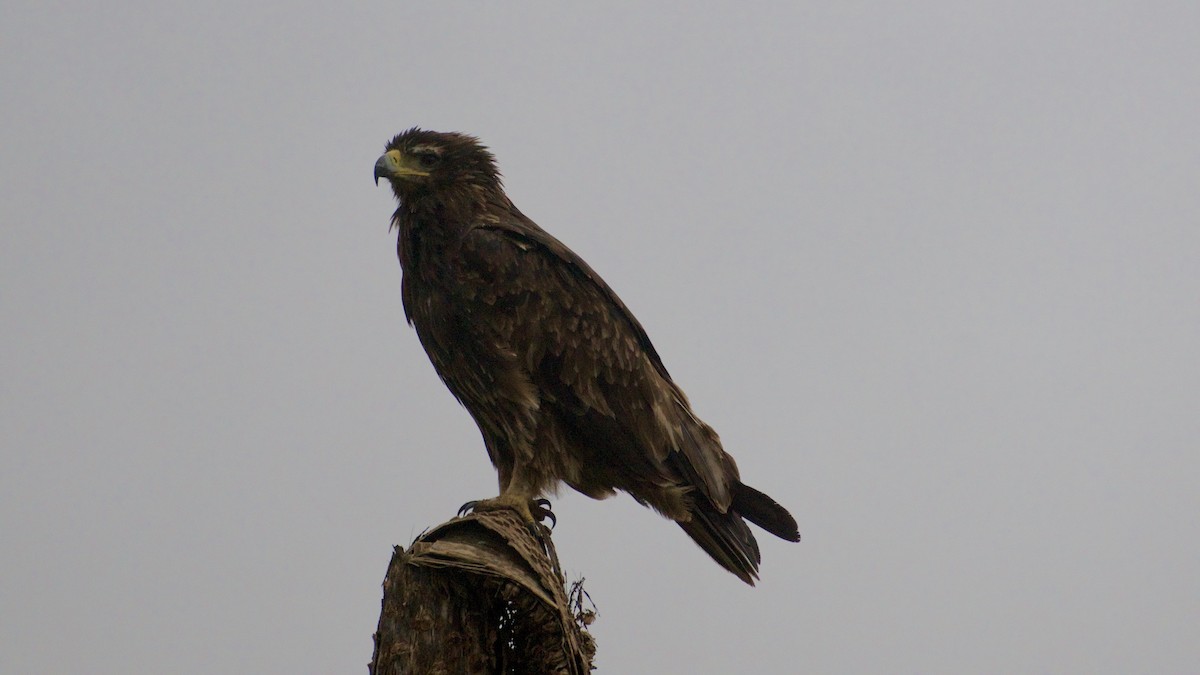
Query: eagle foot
{"x": 531, "y": 511}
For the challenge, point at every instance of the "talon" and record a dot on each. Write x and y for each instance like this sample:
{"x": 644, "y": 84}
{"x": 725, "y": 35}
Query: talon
{"x": 540, "y": 510}
{"x": 467, "y": 508}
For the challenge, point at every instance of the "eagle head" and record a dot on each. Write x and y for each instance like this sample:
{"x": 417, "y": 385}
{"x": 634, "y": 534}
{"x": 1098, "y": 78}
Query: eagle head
{"x": 419, "y": 162}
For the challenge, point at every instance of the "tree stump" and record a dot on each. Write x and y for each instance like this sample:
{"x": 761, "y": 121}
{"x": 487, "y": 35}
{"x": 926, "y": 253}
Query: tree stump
{"x": 480, "y": 594}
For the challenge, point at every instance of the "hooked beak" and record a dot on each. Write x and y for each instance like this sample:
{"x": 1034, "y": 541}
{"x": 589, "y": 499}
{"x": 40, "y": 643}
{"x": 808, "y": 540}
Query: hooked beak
{"x": 394, "y": 165}
{"x": 387, "y": 165}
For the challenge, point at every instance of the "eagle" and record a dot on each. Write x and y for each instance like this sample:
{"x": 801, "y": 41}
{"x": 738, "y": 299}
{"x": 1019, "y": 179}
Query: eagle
{"x": 558, "y": 374}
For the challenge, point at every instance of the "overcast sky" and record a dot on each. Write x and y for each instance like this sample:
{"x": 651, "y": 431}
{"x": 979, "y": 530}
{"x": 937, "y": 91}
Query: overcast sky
{"x": 932, "y": 270}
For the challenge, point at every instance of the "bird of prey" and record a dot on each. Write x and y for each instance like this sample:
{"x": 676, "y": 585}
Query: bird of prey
{"x": 558, "y": 374}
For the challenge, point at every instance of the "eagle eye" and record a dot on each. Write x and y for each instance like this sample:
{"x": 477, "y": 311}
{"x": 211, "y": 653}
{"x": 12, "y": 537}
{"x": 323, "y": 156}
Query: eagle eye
{"x": 427, "y": 159}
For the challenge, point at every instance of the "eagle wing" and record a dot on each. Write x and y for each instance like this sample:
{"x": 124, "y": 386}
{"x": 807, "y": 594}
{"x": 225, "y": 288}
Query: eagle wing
{"x": 591, "y": 359}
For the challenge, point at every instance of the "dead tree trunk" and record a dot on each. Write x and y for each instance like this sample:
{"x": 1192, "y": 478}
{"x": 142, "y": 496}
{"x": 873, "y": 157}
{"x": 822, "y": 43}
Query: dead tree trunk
{"x": 480, "y": 595}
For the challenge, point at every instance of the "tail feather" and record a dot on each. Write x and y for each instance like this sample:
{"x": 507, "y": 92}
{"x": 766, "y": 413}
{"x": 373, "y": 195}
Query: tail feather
{"x": 764, "y": 512}
{"x": 726, "y": 538}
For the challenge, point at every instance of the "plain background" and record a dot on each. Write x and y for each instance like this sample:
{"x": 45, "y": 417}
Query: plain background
{"x": 929, "y": 268}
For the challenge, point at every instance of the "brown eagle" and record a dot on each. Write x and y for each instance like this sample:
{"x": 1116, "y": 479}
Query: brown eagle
{"x": 558, "y": 374}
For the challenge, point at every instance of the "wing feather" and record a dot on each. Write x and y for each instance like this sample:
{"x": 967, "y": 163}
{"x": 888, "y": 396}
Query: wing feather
{"x": 605, "y": 357}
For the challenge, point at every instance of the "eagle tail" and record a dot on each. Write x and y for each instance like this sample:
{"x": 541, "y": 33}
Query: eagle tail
{"x": 764, "y": 512}
{"x": 726, "y": 538}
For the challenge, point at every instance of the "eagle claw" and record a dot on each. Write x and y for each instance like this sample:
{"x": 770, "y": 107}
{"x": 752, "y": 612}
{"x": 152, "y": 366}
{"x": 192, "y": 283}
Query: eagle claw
{"x": 532, "y": 512}
{"x": 540, "y": 510}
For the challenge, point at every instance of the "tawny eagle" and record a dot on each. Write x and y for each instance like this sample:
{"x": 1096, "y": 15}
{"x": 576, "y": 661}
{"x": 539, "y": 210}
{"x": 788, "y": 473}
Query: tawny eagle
{"x": 558, "y": 374}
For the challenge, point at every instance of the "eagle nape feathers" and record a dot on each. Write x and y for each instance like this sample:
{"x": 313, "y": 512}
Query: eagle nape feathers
{"x": 558, "y": 374}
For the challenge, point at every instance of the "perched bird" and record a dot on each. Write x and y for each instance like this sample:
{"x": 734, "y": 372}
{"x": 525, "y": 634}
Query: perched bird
{"x": 558, "y": 374}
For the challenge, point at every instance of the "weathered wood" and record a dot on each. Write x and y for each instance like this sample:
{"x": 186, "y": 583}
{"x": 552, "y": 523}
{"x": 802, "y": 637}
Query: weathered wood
{"x": 480, "y": 594}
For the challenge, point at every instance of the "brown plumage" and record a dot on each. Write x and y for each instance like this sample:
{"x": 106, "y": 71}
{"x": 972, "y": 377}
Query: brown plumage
{"x": 556, "y": 371}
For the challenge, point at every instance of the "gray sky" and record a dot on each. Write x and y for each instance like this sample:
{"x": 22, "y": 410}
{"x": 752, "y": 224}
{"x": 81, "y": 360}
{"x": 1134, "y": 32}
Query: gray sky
{"x": 931, "y": 270}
